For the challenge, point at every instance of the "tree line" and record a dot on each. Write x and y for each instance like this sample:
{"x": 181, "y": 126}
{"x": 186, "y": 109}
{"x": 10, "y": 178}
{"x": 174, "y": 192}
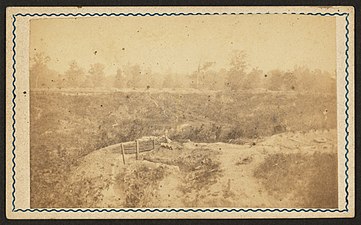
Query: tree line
{"x": 237, "y": 77}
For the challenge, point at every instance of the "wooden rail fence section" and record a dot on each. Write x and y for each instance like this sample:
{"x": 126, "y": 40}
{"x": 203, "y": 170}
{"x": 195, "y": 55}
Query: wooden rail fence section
{"x": 137, "y": 146}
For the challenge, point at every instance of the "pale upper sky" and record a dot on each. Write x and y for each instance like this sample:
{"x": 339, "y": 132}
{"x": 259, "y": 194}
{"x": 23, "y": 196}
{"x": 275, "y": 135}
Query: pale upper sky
{"x": 179, "y": 44}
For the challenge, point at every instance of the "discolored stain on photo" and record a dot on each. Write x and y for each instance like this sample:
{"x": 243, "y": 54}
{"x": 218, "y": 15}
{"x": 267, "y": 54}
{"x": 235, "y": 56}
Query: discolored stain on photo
{"x": 183, "y": 112}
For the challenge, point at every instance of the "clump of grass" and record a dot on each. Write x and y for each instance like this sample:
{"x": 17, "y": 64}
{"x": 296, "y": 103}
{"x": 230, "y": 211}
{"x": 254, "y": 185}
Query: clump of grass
{"x": 140, "y": 185}
{"x": 200, "y": 172}
{"x": 310, "y": 179}
{"x": 199, "y": 169}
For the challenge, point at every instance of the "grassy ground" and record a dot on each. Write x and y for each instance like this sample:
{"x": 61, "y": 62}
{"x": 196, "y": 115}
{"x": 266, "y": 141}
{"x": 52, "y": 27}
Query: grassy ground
{"x": 312, "y": 179}
{"x": 65, "y": 128}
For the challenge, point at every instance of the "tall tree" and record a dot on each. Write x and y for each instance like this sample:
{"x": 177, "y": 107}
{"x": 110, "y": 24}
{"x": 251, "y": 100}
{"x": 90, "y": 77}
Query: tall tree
{"x": 306, "y": 78}
{"x": 149, "y": 79}
{"x": 237, "y": 72}
{"x": 134, "y": 75}
{"x": 120, "y": 79}
{"x": 203, "y": 77}
{"x": 75, "y": 75}
{"x": 168, "y": 81}
{"x": 253, "y": 79}
{"x": 97, "y": 74}
{"x": 275, "y": 80}
{"x": 290, "y": 82}
{"x": 40, "y": 74}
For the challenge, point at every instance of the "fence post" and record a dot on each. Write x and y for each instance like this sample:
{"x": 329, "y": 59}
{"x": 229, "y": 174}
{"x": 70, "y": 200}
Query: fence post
{"x": 123, "y": 153}
{"x": 137, "y": 149}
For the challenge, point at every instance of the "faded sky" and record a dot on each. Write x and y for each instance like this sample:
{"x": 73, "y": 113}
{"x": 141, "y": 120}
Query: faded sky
{"x": 180, "y": 43}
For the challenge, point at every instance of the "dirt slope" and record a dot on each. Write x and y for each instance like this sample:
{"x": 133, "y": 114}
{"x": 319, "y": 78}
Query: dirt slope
{"x": 284, "y": 170}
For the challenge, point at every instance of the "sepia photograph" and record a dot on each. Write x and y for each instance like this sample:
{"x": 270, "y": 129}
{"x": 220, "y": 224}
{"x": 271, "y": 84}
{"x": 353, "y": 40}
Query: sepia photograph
{"x": 180, "y": 112}
{"x": 221, "y": 111}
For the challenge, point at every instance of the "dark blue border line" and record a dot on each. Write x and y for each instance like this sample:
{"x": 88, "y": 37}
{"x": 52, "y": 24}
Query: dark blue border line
{"x": 175, "y": 14}
{"x": 14, "y": 209}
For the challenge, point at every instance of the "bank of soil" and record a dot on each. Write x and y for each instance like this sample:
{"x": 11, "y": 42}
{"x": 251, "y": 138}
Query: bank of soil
{"x": 287, "y": 170}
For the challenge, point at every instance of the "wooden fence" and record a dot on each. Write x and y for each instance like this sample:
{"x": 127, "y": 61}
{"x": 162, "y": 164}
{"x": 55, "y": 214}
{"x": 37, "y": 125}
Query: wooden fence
{"x": 137, "y": 146}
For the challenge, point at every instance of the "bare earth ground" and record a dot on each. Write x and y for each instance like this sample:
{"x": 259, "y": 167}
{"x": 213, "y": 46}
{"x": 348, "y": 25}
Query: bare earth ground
{"x": 287, "y": 170}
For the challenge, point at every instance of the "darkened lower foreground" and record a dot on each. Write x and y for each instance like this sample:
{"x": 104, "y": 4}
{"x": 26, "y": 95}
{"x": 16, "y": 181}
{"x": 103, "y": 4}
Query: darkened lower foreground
{"x": 237, "y": 149}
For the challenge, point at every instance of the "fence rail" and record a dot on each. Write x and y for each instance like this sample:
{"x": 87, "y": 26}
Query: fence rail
{"x": 137, "y": 146}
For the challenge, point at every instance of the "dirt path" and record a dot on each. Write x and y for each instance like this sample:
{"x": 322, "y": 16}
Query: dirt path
{"x": 238, "y": 163}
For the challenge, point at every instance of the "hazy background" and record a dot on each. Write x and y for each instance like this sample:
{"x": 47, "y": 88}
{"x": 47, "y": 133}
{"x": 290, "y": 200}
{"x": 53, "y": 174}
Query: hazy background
{"x": 179, "y": 44}
{"x": 273, "y": 52}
